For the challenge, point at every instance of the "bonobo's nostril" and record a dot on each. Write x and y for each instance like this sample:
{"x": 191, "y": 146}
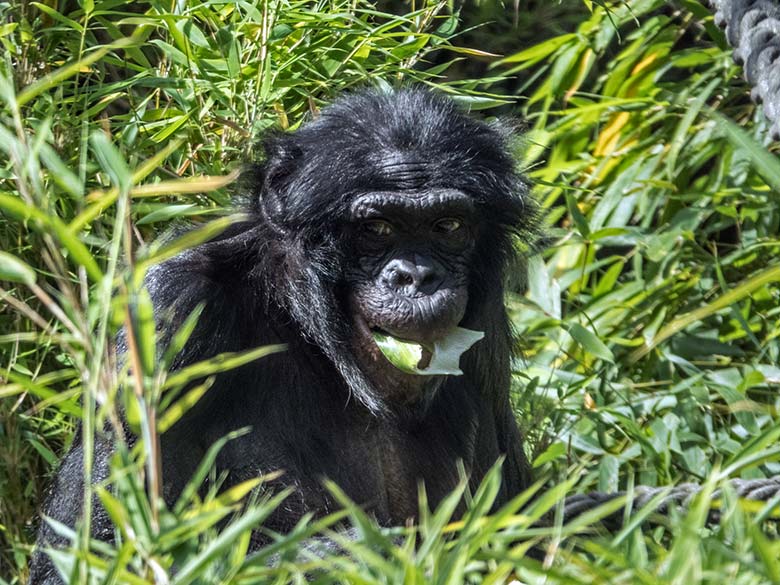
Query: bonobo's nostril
{"x": 403, "y": 278}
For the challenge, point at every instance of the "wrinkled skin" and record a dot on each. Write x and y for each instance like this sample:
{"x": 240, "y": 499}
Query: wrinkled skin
{"x": 410, "y": 278}
{"x": 392, "y": 212}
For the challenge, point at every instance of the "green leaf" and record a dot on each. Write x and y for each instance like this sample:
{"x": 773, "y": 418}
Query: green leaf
{"x": 169, "y": 212}
{"x": 740, "y": 291}
{"x": 553, "y": 452}
{"x": 61, "y": 174}
{"x": 537, "y": 52}
{"x": 222, "y": 544}
{"x": 403, "y": 355}
{"x": 579, "y": 219}
{"x": 14, "y": 270}
{"x": 220, "y": 363}
{"x": 57, "y": 76}
{"x": 767, "y": 164}
{"x": 45, "y": 223}
{"x": 590, "y": 343}
{"x": 143, "y": 329}
{"x": 111, "y": 161}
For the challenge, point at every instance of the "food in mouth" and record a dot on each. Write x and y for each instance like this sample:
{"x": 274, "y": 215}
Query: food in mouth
{"x": 438, "y": 358}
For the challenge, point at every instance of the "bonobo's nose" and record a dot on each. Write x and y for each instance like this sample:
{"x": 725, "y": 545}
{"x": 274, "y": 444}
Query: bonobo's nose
{"x": 410, "y": 277}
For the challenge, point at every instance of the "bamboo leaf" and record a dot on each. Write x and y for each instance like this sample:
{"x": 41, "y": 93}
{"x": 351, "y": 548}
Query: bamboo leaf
{"x": 736, "y": 294}
{"x": 767, "y": 165}
{"x": 12, "y": 269}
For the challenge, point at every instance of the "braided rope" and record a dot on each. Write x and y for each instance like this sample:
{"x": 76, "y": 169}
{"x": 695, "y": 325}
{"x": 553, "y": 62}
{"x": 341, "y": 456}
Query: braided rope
{"x": 753, "y": 29}
{"x": 761, "y": 490}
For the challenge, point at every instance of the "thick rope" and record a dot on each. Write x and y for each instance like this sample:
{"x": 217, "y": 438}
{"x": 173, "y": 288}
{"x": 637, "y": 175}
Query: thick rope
{"x": 761, "y": 490}
{"x": 753, "y": 29}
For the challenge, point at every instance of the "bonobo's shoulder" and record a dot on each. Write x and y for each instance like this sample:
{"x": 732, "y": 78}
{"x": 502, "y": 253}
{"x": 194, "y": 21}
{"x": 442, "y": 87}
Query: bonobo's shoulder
{"x": 177, "y": 286}
{"x": 209, "y": 268}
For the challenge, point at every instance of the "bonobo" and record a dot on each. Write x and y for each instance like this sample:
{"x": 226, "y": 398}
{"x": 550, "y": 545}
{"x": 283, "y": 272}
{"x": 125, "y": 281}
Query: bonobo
{"x": 384, "y": 224}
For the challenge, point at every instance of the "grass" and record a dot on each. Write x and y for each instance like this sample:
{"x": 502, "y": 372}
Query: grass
{"x": 648, "y": 331}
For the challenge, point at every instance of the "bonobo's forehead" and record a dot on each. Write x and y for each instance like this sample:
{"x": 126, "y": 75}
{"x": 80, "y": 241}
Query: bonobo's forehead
{"x": 410, "y": 143}
{"x": 396, "y": 171}
{"x": 437, "y": 201}
{"x": 407, "y": 140}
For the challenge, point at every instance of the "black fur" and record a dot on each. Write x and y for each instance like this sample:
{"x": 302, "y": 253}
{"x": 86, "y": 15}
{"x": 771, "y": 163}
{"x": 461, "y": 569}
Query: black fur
{"x": 280, "y": 277}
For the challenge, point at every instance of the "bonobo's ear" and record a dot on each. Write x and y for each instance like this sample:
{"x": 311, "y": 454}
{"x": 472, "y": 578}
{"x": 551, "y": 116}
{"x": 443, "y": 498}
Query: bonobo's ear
{"x": 272, "y": 178}
{"x": 512, "y": 208}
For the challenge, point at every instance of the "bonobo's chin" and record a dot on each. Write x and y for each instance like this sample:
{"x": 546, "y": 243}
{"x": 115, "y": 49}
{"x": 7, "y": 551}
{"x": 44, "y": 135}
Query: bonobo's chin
{"x": 395, "y": 386}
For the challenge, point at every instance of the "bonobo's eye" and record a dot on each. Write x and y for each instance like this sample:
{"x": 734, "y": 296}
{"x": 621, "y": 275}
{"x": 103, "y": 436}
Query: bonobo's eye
{"x": 447, "y": 225}
{"x": 378, "y": 227}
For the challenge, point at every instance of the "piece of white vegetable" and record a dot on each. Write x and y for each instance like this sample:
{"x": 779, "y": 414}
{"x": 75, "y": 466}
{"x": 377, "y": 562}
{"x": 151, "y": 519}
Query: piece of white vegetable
{"x": 445, "y": 352}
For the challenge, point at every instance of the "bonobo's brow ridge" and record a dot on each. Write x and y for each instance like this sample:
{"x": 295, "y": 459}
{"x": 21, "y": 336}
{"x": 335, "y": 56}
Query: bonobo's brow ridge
{"x": 371, "y": 204}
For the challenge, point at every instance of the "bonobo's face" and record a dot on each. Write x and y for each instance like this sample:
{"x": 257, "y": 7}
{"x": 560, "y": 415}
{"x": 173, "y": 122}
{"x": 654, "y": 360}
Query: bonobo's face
{"x": 409, "y": 277}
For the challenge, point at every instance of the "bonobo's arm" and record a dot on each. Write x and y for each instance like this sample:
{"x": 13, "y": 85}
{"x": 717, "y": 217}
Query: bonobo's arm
{"x": 64, "y": 504}
{"x": 200, "y": 276}
{"x": 516, "y": 470}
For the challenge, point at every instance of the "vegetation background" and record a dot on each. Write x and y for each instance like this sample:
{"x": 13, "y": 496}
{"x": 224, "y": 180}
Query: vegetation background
{"x": 648, "y": 330}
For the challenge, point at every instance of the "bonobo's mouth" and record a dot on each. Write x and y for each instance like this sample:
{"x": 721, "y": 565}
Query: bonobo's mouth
{"x": 404, "y": 364}
{"x": 416, "y": 357}
{"x": 392, "y": 383}
{"x": 404, "y": 352}
{"x": 367, "y": 335}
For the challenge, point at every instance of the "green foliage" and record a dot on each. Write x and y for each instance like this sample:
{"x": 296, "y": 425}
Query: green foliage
{"x": 116, "y": 118}
{"x": 650, "y": 331}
